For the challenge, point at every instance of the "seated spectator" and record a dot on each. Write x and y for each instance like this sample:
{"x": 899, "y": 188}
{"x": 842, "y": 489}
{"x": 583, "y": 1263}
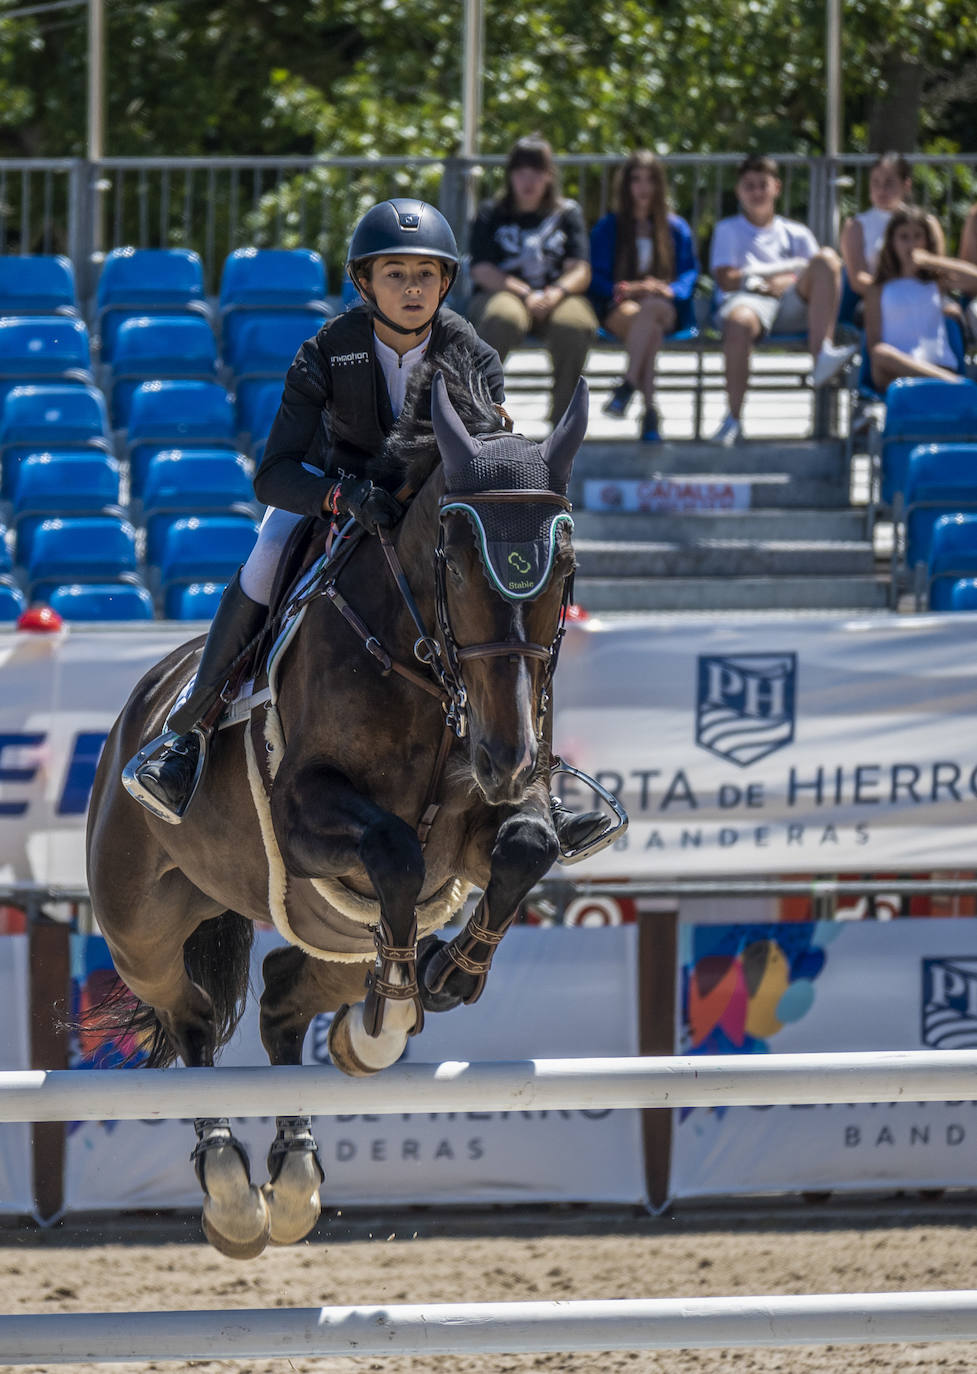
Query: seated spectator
{"x": 772, "y": 278}
{"x": 889, "y": 186}
{"x": 905, "y": 324}
{"x": 530, "y": 268}
{"x": 968, "y": 252}
{"x": 644, "y": 272}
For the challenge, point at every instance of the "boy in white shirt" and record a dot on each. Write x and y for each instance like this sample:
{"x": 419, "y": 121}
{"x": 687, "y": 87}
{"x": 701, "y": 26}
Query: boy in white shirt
{"x": 772, "y": 278}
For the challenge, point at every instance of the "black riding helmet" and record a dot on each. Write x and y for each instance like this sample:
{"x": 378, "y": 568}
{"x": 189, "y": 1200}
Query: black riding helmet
{"x": 401, "y": 226}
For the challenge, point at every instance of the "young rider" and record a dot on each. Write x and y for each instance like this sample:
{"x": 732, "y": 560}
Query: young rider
{"x": 342, "y": 395}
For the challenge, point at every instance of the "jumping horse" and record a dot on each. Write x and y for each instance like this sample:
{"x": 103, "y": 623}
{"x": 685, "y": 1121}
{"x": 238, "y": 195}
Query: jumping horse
{"x": 386, "y": 760}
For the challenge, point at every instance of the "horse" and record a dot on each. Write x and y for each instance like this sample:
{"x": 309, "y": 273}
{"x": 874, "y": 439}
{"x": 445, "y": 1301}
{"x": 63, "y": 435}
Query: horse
{"x": 390, "y": 758}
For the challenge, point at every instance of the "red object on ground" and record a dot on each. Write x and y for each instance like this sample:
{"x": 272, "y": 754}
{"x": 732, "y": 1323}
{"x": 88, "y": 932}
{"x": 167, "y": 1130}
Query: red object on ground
{"x": 40, "y": 618}
{"x": 575, "y": 612}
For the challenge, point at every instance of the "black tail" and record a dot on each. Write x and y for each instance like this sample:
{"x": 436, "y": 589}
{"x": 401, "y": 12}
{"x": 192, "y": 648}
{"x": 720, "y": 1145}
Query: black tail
{"x": 217, "y": 957}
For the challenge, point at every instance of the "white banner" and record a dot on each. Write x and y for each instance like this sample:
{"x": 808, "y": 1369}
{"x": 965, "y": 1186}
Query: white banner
{"x": 16, "y": 1172}
{"x": 738, "y": 745}
{"x": 783, "y": 989}
{"x": 665, "y": 494}
{"x": 777, "y": 745}
{"x": 552, "y": 994}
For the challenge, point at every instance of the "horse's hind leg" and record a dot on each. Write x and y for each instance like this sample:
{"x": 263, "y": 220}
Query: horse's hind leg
{"x": 297, "y": 988}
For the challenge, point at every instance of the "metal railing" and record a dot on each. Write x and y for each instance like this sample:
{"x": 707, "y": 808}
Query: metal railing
{"x": 214, "y": 205}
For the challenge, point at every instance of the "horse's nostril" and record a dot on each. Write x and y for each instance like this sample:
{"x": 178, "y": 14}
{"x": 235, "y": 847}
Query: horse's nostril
{"x": 484, "y": 763}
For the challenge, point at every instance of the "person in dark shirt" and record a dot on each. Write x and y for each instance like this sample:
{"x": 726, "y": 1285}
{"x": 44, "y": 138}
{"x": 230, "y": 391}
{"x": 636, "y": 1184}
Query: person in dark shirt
{"x": 530, "y": 268}
{"x": 325, "y": 454}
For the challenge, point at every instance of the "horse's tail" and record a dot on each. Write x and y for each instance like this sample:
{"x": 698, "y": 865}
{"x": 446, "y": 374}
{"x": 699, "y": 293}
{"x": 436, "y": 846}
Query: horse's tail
{"x": 217, "y": 956}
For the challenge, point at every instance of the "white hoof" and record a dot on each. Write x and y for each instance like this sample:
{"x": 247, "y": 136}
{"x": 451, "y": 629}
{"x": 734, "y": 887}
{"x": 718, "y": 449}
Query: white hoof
{"x": 293, "y": 1198}
{"x": 235, "y": 1217}
{"x": 357, "y": 1053}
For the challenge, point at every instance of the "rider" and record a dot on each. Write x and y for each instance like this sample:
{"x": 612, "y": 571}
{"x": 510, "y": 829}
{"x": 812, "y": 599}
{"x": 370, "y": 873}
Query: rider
{"x": 342, "y": 394}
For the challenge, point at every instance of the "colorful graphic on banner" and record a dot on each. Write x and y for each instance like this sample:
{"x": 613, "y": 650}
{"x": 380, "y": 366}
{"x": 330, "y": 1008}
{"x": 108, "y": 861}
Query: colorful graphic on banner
{"x": 820, "y": 987}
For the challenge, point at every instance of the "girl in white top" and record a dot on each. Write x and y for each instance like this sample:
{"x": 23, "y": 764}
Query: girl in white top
{"x": 889, "y": 185}
{"x": 905, "y": 324}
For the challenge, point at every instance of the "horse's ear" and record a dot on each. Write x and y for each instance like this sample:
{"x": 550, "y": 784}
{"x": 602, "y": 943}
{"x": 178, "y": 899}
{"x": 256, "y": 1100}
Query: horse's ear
{"x": 560, "y": 448}
{"x": 456, "y": 444}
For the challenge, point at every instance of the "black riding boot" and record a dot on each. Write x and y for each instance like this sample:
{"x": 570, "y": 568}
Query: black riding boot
{"x": 575, "y": 829}
{"x": 172, "y": 775}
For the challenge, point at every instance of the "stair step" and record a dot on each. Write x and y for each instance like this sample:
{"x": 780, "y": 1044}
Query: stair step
{"x": 738, "y": 525}
{"x": 692, "y": 594}
{"x": 629, "y": 562}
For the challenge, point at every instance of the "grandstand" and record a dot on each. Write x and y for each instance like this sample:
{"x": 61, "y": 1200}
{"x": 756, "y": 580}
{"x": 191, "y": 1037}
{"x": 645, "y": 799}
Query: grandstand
{"x": 135, "y": 407}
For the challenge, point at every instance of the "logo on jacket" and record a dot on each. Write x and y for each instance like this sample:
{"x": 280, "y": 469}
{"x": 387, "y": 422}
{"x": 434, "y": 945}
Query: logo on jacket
{"x": 949, "y": 997}
{"x": 350, "y": 358}
{"x": 745, "y": 705}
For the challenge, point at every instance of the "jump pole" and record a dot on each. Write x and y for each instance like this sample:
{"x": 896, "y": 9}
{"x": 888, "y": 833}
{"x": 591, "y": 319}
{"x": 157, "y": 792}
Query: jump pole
{"x": 526, "y": 1085}
{"x": 490, "y": 1328}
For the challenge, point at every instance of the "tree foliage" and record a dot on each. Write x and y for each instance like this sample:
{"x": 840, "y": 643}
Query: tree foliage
{"x": 384, "y": 76}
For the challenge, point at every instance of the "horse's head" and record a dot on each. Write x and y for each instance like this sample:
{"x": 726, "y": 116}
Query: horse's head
{"x": 504, "y": 572}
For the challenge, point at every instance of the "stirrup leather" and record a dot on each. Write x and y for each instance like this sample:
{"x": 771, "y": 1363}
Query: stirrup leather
{"x": 587, "y": 851}
{"x": 149, "y": 751}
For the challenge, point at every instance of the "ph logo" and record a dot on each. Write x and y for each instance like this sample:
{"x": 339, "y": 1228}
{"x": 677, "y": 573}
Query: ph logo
{"x": 950, "y": 1004}
{"x": 745, "y": 705}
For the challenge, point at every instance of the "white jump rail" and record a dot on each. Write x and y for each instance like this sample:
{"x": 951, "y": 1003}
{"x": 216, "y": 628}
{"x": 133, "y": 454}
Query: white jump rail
{"x": 489, "y": 1328}
{"x": 529, "y": 1085}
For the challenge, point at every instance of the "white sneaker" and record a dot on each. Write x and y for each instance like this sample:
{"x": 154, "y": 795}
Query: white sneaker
{"x": 728, "y": 433}
{"x": 829, "y": 362}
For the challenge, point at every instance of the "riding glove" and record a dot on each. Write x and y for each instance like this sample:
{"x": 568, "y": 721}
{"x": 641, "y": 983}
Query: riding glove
{"x": 370, "y": 506}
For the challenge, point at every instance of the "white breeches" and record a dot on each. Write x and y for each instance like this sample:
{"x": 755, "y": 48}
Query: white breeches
{"x": 258, "y": 573}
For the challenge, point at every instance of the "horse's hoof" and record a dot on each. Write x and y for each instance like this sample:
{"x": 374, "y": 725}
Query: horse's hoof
{"x": 458, "y": 986}
{"x": 356, "y": 1053}
{"x": 293, "y": 1198}
{"x": 235, "y": 1218}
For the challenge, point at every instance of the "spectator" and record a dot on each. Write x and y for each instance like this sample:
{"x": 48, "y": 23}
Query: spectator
{"x": 772, "y": 279}
{"x": 530, "y": 268}
{"x": 644, "y": 273}
{"x": 889, "y": 186}
{"x": 968, "y": 252}
{"x": 905, "y": 323}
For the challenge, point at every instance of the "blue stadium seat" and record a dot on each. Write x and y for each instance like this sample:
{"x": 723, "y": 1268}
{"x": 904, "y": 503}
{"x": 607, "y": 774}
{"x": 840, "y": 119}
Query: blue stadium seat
{"x": 207, "y": 548}
{"x": 41, "y": 417}
{"x": 6, "y": 563}
{"x": 65, "y": 482}
{"x": 147, "y": 281}
{"x": 923, "y": 411}
{"x": 101, "y": 601}
{"x": 86, "y": 548}
{"x": 941, "y": 479}
{"x": 167, "y": 415}
{"x": 38, "y": 284}
{"x": 265, "y": 350}
{"x": 197, "y": 600}
{"x": 952, "y": 555}
{"x": 264, "y": 406}
{"x": 963, "y": 594}
{"x": 12, "y": 602}
{"x": 272, "y": 276}
{"x": 158, "y": 347}
{"x": 182, "y": 482}
{"x": 37, "y": 348}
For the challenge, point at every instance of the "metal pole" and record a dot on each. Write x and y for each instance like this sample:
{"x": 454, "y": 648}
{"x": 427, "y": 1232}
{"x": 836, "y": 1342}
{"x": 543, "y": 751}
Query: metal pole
{"x": 832, "y": 115}
{"x": 96, "y": 80}
{"x": 471, "y": 90}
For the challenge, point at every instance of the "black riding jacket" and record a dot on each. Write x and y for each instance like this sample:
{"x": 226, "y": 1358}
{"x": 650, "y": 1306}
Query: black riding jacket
{"x": 335, "y": 412}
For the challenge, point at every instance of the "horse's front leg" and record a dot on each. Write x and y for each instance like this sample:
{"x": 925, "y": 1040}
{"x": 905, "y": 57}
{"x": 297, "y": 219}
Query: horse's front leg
{"x": 525, "y": 848}
{"x": 326, "y": 828}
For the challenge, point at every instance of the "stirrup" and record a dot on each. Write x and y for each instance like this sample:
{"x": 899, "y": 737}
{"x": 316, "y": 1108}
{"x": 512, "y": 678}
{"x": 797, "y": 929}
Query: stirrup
{"x": 146, "y": 799}
{"x": 592, "y": 847}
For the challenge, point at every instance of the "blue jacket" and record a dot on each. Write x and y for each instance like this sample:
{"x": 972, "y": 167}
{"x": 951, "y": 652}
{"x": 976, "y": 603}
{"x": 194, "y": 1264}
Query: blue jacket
{"x": 603, "y": 246}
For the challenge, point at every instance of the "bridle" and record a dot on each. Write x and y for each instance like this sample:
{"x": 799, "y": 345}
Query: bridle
{"x": 512, "y": 648}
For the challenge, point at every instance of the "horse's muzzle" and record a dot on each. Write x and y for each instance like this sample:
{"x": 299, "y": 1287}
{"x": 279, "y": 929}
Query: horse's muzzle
{"x": 502, "y": 773}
